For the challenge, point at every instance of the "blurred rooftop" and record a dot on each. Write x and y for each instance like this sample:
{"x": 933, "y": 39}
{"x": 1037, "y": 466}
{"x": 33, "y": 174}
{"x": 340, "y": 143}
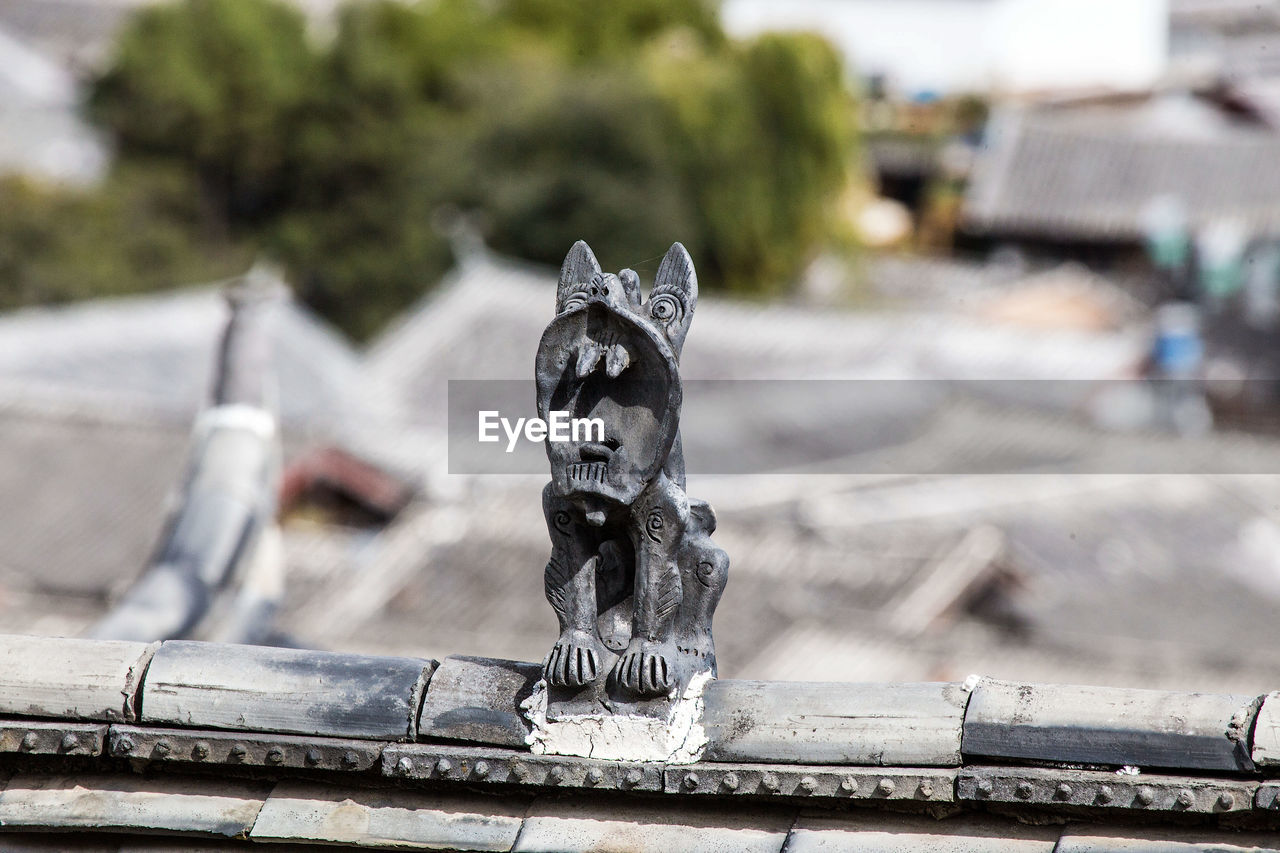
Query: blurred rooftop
{"x": 1088, "y": 170}
{"x": 838, "y": 576}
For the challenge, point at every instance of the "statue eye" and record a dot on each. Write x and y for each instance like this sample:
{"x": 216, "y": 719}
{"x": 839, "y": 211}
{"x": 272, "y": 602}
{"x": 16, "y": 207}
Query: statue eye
{"x": 664, "y": 308}
{"x": 577, "y": 300}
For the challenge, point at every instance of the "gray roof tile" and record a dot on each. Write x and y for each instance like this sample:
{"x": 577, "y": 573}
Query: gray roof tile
{"x": 1075, "y": 175}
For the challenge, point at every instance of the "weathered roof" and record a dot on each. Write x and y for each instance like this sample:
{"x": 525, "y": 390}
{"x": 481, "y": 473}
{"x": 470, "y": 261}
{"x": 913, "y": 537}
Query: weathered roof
{"x": 1066, "y": 296}
{"x": 154, "y": 355}
{"x": 217, "y": 571}
{"x": 1087, "y": 173}
{"x": 86, "y": 494}
{"x": 484, "y": 321}
{"x": 1154, "y": 581}
{"x": 98, "y": 400}
{"x": 820, "y": 561}
{"x": 1225, "y": 38}
{"x": 247, "y": 743}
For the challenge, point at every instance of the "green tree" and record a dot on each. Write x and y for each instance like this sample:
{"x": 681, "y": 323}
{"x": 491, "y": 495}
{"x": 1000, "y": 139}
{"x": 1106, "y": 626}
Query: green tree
{"x": 357, "y": 235}
{"x": 630, "y": 124}
{"x": 220, "y": 86}
{"x": 587, "y": 32}
{"x": 765, "y": 142}
{"x": 569, "y": 157}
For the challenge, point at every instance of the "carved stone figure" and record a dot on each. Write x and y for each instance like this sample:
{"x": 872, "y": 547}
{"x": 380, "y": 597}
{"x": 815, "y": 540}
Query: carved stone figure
{"x": 633, "y": 576}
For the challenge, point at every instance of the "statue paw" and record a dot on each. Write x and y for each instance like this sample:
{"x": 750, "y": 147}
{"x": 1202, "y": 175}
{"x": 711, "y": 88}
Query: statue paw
{"x": 644, "y": 671}
{"x": 573, "y": 661}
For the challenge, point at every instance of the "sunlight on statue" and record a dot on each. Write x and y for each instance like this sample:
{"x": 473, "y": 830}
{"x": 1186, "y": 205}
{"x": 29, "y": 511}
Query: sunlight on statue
{"x": 633, "y": 575}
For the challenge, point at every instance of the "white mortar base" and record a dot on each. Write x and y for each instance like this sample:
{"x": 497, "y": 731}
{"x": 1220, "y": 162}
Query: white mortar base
{"x": 680, "y": 739}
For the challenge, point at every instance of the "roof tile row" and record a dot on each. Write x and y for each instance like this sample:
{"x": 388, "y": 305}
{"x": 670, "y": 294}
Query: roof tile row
{"x": 207, "y": 811}
{"x": 210, "y": 686}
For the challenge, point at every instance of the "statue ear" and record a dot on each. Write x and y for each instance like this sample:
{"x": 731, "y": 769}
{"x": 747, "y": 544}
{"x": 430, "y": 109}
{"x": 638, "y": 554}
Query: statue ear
{"x": 631, "y": 287}
{"x": 674, "y": 295}
{"x": 703, "y": 514}
{"x": 579, "y": 267}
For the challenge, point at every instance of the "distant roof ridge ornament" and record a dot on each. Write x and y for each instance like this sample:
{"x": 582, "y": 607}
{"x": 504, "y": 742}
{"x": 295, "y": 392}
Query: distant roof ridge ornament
{"x": 633, "y": 576}
{"x": 245, "y": 369}
{"x": 217, "y": 571}
{"x": 464, "y": 233}
{"x": 262, "y": 281}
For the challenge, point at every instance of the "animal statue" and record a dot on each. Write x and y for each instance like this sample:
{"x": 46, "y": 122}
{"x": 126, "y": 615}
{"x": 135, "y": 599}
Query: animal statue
{"x": 633, "y": 577}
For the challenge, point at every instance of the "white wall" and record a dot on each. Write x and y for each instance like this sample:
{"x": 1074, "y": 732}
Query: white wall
{"x": 969, "y": 45}
{"x": 1069, "y": 43}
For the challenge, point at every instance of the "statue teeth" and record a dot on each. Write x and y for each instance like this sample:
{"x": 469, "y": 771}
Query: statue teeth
{"x": 616, "y": 360}
{"x": 588, "y": 472}
{"x": 588, "y": 358}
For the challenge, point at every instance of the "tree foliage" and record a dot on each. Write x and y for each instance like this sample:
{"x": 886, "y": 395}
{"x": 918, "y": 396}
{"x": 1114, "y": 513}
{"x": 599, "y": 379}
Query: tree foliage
{"x": 630, "y": 124}
{"x": 219, "y": 85}
{"x": 142, "y": 231}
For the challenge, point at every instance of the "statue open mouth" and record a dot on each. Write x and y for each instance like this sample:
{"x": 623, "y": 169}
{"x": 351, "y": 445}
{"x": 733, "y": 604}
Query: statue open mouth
{"x": 595, "y": 458}
{"x": 600, "y": 365}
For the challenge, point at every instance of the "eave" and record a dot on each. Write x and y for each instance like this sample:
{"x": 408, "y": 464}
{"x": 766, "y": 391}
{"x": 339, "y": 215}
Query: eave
{"x": 252, "y": 743}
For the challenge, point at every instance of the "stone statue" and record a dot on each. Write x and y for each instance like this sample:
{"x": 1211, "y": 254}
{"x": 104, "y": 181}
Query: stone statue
{"x": 633, "y": 576}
